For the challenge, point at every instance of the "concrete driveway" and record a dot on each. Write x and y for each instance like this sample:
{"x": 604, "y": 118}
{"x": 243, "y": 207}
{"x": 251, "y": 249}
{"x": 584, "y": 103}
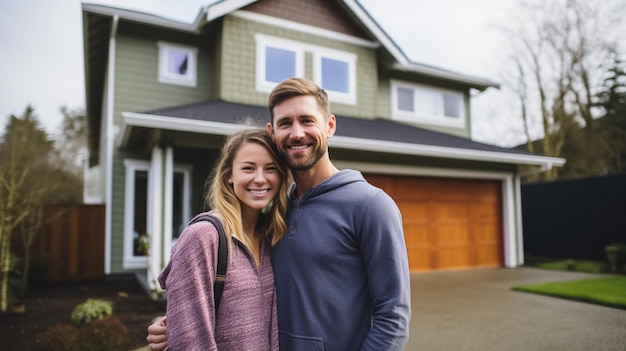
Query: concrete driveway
{"x": 475, "y": 310}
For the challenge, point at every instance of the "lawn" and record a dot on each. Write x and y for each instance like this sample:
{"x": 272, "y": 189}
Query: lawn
{"x": 607, "y": 291}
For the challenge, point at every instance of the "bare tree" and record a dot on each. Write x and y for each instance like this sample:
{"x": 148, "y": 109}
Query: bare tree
{"x": 557, "y": 50}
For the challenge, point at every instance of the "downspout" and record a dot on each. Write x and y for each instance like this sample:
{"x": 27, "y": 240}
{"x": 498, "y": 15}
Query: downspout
{"x": 109, "y": 145}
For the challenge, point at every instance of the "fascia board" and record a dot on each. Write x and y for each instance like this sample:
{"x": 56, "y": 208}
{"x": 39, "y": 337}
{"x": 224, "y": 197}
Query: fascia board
{"x": 478, "y": 83}
{"x": 378, "y": 32}
{"x": 140, "y": 17}
{"x": 442, "y": 151}
{"x": 132, "y": 119}
{"x": 225, "y": 7}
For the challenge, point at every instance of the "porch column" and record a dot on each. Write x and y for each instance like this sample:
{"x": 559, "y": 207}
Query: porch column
{"x": 168, "y": 203}
{"x": 155, "y": 259}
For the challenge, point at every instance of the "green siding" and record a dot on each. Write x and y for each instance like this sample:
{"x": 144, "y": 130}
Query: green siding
{"x": 239, "y": 65}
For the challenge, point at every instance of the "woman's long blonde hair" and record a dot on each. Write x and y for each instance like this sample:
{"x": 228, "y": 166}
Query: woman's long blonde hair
{"x": 221, "y": 195}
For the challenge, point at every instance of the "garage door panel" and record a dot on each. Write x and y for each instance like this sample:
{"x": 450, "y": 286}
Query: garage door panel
{"x": 448, "y": 223}
{"x": 452, "y": 257}
{"x": 419, "y": 259}
{"x": 450, "y": 211}
{"x": 488, "y": 256}
{"x": 485, "y": 210}
{"x": 413, "y": 211}
{"x": 452, "y": 234}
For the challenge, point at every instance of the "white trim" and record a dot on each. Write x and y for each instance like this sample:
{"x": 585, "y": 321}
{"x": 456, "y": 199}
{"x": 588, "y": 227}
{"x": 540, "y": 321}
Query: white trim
{"x": 168, "y": 199}
{"x": 262, "y": 42}
{"x": 347, "y": 57}
{"x": 416, "y": 116}
{"x": 441, "y": 151}
{"x": 303, "y": 28}
{"x": 318, "y": 52}
{"x": 155, "y": 217}
{"x": 377, "y": 31}
{"x": 130, "y": 261}
{"x": 222, "y": 8}
{"x": 519, "y": 220}
{"x": 131, "y": 119}
{"x": 110, "y": 136}
{"x": 509, "y": 234}
{"x": 165, "y": 76}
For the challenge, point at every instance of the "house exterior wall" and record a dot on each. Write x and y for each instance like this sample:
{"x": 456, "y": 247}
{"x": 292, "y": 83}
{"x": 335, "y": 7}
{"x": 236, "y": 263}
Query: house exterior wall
{"x": 384, "y": 103}
{"x": 239, "y": 65}
{"x": 137, "y": 89}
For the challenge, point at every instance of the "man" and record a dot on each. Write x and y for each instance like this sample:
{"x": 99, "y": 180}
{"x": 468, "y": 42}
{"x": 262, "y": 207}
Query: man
{"x": 341, "y": 270}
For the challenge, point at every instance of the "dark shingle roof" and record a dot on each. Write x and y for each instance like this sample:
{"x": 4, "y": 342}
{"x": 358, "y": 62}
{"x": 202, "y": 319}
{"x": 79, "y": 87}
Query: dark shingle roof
{"x": 376, "y": 129}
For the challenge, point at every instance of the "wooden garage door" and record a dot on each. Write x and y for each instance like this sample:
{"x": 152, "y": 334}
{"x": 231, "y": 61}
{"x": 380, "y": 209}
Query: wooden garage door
{"x": 448, "y": 223}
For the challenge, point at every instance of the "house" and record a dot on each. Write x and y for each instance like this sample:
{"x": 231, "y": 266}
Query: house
{"x": 162, "y": 96}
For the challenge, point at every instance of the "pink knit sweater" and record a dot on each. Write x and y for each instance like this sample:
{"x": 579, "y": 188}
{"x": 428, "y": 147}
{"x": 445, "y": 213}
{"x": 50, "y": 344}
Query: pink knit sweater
{"x": 246, "y": 319}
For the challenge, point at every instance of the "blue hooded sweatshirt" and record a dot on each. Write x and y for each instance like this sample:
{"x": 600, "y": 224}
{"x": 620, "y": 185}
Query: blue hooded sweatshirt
{"x": 341, "y": 271}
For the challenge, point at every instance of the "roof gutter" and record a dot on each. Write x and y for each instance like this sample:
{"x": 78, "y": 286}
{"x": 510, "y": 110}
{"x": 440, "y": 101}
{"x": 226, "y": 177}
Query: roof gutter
{"x": 132, "y": 119}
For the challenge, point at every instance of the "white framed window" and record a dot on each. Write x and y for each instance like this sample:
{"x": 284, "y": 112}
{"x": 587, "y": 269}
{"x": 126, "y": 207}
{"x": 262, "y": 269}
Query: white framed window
{"x": 333, "y": 70}
{"x": 177, "y": 64}
{"x": 138, "y": 208}
{"x": 277, "y": 59}
{"x": 425, "y": 104}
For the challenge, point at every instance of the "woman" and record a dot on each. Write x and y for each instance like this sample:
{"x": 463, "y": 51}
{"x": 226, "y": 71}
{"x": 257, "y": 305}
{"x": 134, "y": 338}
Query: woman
{"x": 249, "y": 178}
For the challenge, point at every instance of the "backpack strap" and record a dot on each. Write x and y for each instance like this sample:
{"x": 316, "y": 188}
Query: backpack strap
{"x": 222, "y": 255}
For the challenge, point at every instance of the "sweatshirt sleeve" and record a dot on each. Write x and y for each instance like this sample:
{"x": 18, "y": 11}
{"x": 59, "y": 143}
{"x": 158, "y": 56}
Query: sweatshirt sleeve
{"x": 188, "y": 280}
{"x": 386, "y": 262}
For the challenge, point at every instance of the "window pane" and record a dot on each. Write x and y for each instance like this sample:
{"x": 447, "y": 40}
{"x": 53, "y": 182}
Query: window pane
{"x": 279, "y": 64}
{"x": 141, "y": 210}
{"x": 177, "y": 62}
{"x": 405, "y": 99}
{"x": 452, "y": 105}
{"x": 335, "y": 75}
{"x": 429, "y": 102}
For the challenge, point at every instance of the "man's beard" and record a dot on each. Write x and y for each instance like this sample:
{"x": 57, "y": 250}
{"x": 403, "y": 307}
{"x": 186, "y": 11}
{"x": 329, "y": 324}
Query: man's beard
{"x": 305, "y": 161}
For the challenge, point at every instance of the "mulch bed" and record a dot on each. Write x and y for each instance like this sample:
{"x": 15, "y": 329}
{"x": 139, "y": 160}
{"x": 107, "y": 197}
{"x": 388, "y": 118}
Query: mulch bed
{"x": 49, "y": 305}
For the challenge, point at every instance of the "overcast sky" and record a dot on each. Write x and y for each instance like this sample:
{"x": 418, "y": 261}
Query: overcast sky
{"x": 41, "y": 60}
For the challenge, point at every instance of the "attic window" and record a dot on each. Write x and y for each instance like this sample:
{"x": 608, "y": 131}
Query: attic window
{"x": 279, "y": 59}
{"x": 423, "y": 104}
{"x": 177, "y": 64}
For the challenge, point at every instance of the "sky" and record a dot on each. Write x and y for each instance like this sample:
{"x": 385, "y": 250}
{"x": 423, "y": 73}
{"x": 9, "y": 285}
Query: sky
{"x": 41, "y": 51}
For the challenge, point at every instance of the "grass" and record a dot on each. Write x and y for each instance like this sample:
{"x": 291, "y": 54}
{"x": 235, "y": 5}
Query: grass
{"x": 606, "y": 291}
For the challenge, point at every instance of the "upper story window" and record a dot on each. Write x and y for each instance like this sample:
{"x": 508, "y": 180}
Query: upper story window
{"x": 333, "y": 70}
{"x": 177, "y": 64}
{"x": 423, "y": 104}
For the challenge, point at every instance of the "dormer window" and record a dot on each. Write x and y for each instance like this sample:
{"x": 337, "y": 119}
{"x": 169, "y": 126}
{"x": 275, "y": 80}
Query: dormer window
{"x": 423, "y": 104}
{"x": 279, "y": 59}
{"x": 177, "y": 64}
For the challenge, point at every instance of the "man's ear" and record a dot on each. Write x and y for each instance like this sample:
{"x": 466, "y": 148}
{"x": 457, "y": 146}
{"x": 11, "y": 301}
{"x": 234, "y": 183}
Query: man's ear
{"x": 332, "y": 125}
{"x": 270, "y": 130}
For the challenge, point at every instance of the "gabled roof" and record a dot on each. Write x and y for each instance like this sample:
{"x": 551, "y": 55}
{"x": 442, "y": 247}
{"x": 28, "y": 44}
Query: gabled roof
{"x": 380, "y": 135}
{"x": 225, "y": 7}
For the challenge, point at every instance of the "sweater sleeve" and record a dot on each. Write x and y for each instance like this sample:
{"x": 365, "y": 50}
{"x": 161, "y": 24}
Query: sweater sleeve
{"x": 386, "y": 263}
{"x": 188, "y": 280}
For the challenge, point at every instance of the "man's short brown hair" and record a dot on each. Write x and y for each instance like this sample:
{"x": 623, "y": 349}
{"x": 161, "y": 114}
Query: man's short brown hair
{"x": 292, "y": 87}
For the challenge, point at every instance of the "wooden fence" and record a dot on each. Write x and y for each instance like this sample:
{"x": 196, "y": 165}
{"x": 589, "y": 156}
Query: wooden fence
{"x": 70, "y": 244}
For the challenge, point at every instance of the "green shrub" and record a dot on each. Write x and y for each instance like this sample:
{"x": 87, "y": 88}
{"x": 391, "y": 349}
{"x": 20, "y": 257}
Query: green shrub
{"x": 90, "y": 310}
{"x": 104, "y": 335}
{"x": 60, "y": 337}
